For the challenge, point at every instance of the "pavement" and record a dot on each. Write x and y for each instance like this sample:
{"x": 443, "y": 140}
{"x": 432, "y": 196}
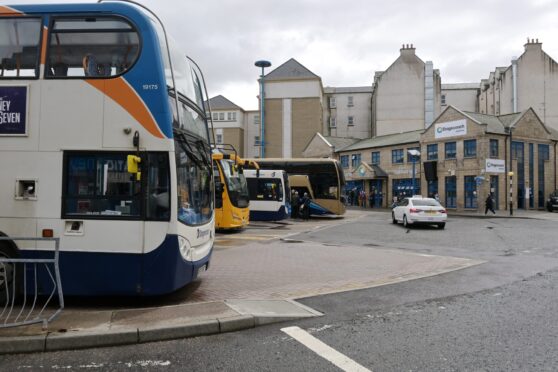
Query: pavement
{"x": 254, "y": 279}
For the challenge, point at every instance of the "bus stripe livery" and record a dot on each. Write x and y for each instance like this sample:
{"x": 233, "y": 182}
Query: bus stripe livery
{"x": 111, "y": 148}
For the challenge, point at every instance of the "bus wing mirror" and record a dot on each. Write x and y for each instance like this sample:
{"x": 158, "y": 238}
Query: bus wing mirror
{"x": 133, "y": 166}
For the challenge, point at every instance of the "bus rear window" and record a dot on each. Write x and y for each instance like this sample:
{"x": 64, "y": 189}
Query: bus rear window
{"x": 19, "y": 47}
{"x": 91, "y": 47}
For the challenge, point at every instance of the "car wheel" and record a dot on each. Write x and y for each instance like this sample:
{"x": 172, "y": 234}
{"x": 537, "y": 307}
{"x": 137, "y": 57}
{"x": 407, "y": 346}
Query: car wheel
{"x": 405, "y": 223}
{"x": 7, "y": 275}
{"x": 393, "y": 220}
{"x": 442, "y": 225}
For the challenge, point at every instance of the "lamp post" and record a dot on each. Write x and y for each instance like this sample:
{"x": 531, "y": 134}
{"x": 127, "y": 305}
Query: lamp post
{"x": 414, "y": 155}
{"x": 262, "y": 64}
{"x": 510, "y": 172}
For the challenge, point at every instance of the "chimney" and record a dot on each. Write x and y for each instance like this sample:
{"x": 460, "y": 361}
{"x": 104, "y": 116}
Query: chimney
{"x": 533, "y": 45}
{"x": 407, "y": 50}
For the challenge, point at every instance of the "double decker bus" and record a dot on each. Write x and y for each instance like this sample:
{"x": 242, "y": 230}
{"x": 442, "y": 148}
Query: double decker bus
{"x": 232, "y": 200}
{"x": 322, "y": 179}
{"x": 104, "y": 135}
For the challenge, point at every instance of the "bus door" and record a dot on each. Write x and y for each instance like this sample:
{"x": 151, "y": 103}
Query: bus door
{"x": 301, "y": 184}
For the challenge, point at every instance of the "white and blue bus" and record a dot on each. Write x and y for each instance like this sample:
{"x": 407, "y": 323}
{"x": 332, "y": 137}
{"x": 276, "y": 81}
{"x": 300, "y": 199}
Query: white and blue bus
{"x": 270, "y": 195}
{"x": 88, "y": 93}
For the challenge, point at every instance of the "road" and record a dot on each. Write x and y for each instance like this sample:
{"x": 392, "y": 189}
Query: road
{"x": 498, "y": 316}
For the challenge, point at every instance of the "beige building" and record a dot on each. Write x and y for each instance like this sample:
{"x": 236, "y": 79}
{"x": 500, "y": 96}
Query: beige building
{"x": 293, "y": 109}
{"x": 530, "y": 81}
{"x": 464, "y": 96}
{"x": 321, "y": 146}
{"x": 347, "y": 112}
{"x": 406, "y": 96}
{"x": 228, "y": 123}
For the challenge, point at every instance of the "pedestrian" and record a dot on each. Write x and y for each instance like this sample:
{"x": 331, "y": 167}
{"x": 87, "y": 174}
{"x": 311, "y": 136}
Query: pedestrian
{"x": 305, "y": 206}
{"x": 437, "y": 197}
{"x": 371, "y": 198}
{"x": 295, "y": 204}
{"x": 489, "y": 204}
{"x": 352, "y": 197}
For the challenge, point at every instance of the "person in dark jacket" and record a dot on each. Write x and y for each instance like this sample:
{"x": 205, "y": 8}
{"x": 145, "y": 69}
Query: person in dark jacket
{"x": 295, "y": 204}
{"x": 489, "y": 204}
{"x": 305, "y": 206}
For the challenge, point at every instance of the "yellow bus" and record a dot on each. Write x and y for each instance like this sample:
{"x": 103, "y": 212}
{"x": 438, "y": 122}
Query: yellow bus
{"x": 232, "y": 199}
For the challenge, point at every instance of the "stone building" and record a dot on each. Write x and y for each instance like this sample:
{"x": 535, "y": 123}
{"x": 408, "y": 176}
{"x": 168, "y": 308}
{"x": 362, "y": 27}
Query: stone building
{"x": 228, "y": 123}
{"x": 347, "y": 112}
{"x": 464, "y": 96}
{"x": 530, "y": 81}
{"x": 463, "y": 157}
{"x": 321, "y": 146}
{"x": 293, "y": 109}
{"x": 406, "y": 96}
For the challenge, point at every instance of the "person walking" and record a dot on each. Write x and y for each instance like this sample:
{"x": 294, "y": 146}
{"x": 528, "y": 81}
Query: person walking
{"x": 295, "y": 204}
{"x": 489, "y": 204}
{"x": 371, "y": 198}
{"x": 305, "y": 206}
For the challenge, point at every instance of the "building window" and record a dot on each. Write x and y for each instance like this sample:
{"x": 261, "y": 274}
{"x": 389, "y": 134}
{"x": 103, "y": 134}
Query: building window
{"x": 450, "y": 150}
{"x": 409, "y": 156}
{"x": 350, "y": 102}
{"x": 376, "y": 157}
{"x": 355, "y": 160}
{"x": 256, "y": 119}
{"x": 494, "y": 148}
{"x": 432, "y": 151}
{"x": 397, "y": 156}
{"x": 351, "y": 120}
{"x": 470, "y": 192}
{"x": 332, "y": 122}
{"x": 332, "y": 103}
{"x": 219, "y": 139}
{"x": 470, "y": 148}
{"x": 231, "y": 116}
{"x": 345, "y": 161}
{"x": 451, "y": 192}
{"x": 215, "y": 116}
{"x": 443, "y": 99}
{"x": 257, "y": 141}
{"x": 221, "y": 116}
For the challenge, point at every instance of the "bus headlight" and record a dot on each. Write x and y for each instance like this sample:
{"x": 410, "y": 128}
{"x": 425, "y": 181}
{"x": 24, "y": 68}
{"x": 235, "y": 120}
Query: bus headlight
{"x": 186, "y": 249}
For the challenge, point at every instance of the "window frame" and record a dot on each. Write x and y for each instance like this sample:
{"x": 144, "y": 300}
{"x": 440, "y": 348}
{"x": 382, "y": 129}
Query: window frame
{"x": 350, "y": 120}
{"x": 491, "y": 147}
{"x": 356, "y": 159}
{"x": 377, "y": 153}
{"x": 428, "y": 152}
{"x": 51, "y": 32}
{"x": 400, "y": 154}
{"x": 446, "y": 150}
{"x": 39, "y": 47}
{"x": 344, "y": 165}
{"x": 467, "y": 149}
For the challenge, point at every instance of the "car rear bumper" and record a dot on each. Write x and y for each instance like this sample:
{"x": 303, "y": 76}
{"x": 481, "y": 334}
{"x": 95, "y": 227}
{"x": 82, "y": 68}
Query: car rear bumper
{"x": 417, "y": 219}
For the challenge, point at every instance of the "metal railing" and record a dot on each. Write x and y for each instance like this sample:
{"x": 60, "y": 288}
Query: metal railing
{"x": 20, "y": 300}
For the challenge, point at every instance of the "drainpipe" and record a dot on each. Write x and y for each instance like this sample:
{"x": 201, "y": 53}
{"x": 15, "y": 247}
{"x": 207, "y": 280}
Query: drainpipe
{"x": 514, "y": 83}
{"x": 555, "y": 169}
{"x": 507, "y": 170}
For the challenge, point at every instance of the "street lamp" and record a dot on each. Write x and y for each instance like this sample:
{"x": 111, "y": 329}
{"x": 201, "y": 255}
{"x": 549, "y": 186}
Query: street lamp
{"x": 414, "y": 155}
{"x": 262, "y": 64}
{"x": 510, "y": 165}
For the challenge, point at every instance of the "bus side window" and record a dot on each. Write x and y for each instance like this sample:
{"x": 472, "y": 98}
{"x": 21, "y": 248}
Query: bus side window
{"x": 158, "y": 187}
{"x": 19, "y": 49}
{"x": 91, "y": 47}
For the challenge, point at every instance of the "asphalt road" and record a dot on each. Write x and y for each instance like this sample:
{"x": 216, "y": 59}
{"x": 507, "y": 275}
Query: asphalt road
{"x": 498, "y": 316}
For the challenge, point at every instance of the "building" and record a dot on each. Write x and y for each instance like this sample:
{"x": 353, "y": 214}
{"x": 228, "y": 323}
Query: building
{"x": 347, "y": 112}
{"x": 464, "y": 96}
{"x": 228, "y": 123}
{"x": 293, "y": 109}
{"x": 406, "y": 96}
{"x": 530, "y": 81}
{"x": 325, "y": 146}
{"x": 464, "y": 157}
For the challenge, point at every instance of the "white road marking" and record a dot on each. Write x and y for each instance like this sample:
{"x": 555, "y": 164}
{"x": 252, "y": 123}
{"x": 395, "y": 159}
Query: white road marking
{"x": 323, "y": 350}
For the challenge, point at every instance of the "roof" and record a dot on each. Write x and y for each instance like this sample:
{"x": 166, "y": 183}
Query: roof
{"x": 291, "y": 69}
{"x": 458, "y": 86}
{"x": 221, "y": 103}
{"x": 378, "y": 171}
{"x": 332, "y": 90}
{"x": 339, "y": 143}
{"x": 387, "y": 140}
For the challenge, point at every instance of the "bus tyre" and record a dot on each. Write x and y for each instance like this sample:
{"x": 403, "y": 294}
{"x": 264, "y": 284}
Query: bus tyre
{"x": 393, "y": 220}
{"x": 405, "y": 223}
{"x": 442, "y": 225}
{"x": 7, "y": 275}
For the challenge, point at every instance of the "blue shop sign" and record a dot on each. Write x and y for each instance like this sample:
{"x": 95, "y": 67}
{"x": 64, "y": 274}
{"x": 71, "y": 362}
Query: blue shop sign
{"x": 13, "y": 110}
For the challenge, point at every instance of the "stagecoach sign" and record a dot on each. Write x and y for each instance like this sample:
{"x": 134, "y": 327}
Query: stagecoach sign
{"x": 450, "y": 129}
{"x": 13, "y": 110}
{"x": 495, "y": 166}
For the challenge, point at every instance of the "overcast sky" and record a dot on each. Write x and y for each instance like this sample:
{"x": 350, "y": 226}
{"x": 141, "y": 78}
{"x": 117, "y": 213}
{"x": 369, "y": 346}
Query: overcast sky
{"x": 345, "y": 42}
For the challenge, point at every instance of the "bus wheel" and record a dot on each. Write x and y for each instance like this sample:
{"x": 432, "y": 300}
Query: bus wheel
{"x": 7, "y": 275}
